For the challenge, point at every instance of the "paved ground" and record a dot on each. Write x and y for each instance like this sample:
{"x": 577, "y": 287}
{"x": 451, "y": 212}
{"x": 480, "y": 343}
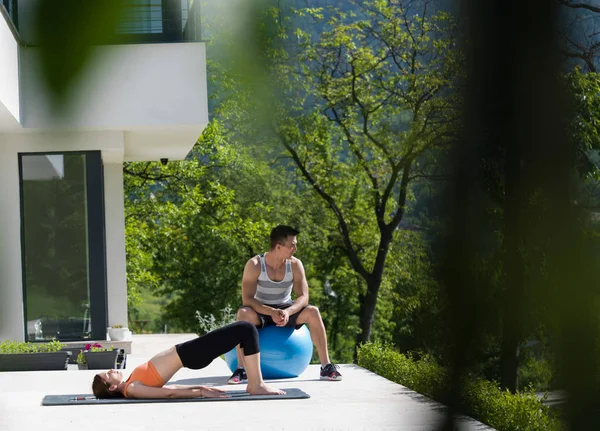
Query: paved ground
{"x": 362, "y": 401}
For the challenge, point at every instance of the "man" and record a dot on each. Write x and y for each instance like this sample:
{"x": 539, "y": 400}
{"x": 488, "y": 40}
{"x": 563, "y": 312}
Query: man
{"x": 267, "y": 285}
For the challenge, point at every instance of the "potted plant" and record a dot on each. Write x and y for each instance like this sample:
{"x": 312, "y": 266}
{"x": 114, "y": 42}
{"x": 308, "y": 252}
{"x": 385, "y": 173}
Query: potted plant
{"x": 117, "y": 332}
{"x": 24, "y": 356}
{"x": 96, "y": 357}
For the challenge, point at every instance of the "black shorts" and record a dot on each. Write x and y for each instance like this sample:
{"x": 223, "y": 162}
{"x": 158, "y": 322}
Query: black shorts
{"x": 266, "y": 320}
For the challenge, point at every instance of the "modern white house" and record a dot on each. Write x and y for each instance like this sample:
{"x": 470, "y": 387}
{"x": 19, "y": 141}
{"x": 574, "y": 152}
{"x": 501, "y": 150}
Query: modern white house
{"x": 62, "y": 237}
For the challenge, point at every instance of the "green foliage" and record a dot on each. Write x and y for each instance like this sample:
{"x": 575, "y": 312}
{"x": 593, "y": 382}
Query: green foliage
{"x": 505, "y": 411}
{"x": 424, "y": 376}
{"x": 536, "y": 371}
{"x": 208, "y": 322}
{"x": 480, "y": 399}
{"x": 415, "y": 296}
{"x": 585, "y": 127}
{"x": 139, "y": 258}
{"x": 149, "y": 312}
{"x": 16, "y": 347}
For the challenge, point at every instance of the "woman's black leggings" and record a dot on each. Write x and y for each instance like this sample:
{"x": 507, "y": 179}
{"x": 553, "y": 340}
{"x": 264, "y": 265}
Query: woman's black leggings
{"x": 200, "y": 352}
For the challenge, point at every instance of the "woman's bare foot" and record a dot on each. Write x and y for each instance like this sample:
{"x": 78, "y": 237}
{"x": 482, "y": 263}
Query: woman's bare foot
{"x": 263, "y": 389}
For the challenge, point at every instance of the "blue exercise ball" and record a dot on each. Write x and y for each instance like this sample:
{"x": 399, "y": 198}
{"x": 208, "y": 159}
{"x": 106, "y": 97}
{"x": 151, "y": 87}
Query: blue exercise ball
{"x": 284, "y": 352}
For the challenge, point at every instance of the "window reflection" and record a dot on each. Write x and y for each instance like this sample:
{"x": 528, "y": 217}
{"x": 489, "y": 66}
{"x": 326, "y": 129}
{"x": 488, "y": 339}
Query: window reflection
{"x": 55, "y": 246}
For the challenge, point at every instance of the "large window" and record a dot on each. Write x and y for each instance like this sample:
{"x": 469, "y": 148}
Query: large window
{"x": 63, "y": 243}
{"x": 142, "y": 17}
{"x": 159, "y": 21}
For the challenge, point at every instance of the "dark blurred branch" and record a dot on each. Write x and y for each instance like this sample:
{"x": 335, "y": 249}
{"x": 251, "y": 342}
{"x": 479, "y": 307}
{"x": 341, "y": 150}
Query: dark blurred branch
{"x": 585, "y": 6}
{"x": 586, "y": 57}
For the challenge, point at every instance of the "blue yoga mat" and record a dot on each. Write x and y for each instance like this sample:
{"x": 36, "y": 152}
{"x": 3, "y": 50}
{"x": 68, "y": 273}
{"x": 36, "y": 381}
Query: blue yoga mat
{"x": 84, "y": 399}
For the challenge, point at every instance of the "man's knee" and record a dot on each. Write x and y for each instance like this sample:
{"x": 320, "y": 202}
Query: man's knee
{"x": 313, "y": 314}
{"x": 247, "y": 314}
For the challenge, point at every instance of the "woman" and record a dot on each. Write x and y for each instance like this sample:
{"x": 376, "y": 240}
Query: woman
{"x": 148, "y": 380}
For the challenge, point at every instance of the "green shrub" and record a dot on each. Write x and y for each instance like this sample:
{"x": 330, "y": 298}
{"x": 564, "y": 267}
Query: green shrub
{"x": 536, "y": 373}
{"x": 424, "y": 376}
{"x": 208, "y": 322}
{"x": 481, "y": 399}
{"x": 505, "y": 411}
{"x": 15, "y": 347}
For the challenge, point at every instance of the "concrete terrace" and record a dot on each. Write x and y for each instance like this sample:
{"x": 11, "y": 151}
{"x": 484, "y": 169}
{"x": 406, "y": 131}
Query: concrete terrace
{"x": 362, "y": 401}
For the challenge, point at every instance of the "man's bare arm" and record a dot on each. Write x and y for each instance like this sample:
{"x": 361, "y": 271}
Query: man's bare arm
{"x": 300, "y": 288}
{"x": 249, "y": 284}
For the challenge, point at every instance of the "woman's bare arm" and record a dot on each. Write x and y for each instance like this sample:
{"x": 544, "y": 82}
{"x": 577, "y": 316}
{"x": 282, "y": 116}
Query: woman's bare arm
{"x": 139, "y": 390}
{"x": 194, "y": 387}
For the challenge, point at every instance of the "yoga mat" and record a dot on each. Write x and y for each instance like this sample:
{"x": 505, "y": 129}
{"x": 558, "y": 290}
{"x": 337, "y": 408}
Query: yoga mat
{"x": 81, "y": 399}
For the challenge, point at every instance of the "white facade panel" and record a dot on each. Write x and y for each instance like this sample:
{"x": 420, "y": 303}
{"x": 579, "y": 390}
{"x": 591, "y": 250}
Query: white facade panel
{"x": 125, "y": 87}
{"x": 11, "y": 277}
{"x": 9, "y": 78}
{"x": 116, "y": 273}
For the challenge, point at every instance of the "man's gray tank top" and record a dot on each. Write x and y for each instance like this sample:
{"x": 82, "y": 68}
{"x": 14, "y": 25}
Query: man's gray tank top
{"x": 274, "y": 292}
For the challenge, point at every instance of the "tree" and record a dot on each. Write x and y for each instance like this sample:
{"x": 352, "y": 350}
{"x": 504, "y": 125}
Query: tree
{"x": 580, "y": 33}
{"x": 366, "y": 102}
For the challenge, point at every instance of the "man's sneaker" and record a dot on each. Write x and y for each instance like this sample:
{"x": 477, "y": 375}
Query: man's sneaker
{"x": 330, "y": 372}
{"x": 238, "y": 376}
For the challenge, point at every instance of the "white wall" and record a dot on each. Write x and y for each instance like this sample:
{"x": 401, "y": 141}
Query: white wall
{"x": 9, "y": 77}
{"x": 11, "y": 283}
{"x": 116, "y": 274}
{"x": 111, "y": 144}
{"x": 125, "y": 87}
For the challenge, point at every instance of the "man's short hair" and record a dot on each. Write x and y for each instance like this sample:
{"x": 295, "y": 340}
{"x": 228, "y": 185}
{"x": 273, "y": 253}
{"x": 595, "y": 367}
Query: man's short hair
{"x": 280, "y": 233}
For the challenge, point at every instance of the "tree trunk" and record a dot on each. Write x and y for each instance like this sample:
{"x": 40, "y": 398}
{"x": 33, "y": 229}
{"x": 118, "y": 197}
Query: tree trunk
{"x": 369, "y": 301}
{"x": 367, "y": 311}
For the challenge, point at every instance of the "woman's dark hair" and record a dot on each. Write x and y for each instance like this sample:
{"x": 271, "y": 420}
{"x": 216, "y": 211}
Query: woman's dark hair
{"x": 280, "y": 233}
{"x": 100, "y": 389}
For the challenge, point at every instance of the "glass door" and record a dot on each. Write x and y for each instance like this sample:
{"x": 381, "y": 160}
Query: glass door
{"x": 64, "y": 277}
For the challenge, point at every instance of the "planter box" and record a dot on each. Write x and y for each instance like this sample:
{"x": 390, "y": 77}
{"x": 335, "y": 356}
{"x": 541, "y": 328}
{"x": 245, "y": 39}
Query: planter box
{"x": 101, "y": 360}
{"x": 34, "y": 361}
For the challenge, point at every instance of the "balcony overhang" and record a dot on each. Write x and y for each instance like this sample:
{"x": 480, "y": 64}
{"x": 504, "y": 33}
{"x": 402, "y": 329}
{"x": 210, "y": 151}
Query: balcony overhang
{"x": 164, "y": 143}
{"x": 155, "y": 94}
